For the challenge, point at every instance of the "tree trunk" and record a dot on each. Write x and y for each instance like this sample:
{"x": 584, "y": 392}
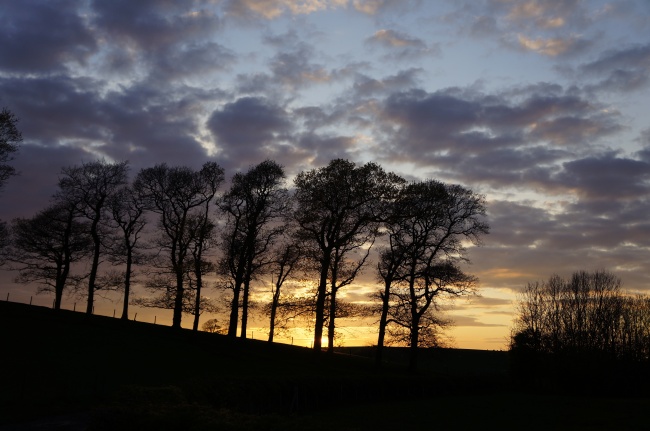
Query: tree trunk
{"x": 331, "y": 327}
{"x": 94, "y": 267}
{"x": 234, "y": 310}
{"x": 178, "y": 301}
{"x": 127, "y": 284}
{"x": 199, "y": 285}
{"x": 413, "y": 350}
{"x": 58, "y": 295}
{"x": 244, "y": 308}
{"x": 320, "y": 303}
{"x": 274, "y": 309}
{"x": 383, "y": 322}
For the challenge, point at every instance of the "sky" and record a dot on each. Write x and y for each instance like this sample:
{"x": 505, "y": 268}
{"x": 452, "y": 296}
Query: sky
{"x": 540, "y": 105}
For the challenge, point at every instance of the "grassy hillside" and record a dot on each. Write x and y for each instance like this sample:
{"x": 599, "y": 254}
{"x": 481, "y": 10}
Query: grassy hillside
{"x": 101, "y": 373}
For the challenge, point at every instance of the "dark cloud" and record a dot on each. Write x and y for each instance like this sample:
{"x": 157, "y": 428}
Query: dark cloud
{"x": 164, "y": 39}
{"x": 367, "y": 86}
{"x": 291, "y": 69}
{"x": 607, "y": 177}
{"x": 138, "y": 123}
{"x": 497, "y": 139}
{"x": 152, "y": 24}
{"x": 44, "y": 36}
{"x": 294, "y": 69}
{"x": 326, "y": 148}
{"x": 248, "y": 127}
{"x": 39, "y": 168}
{"x": 623, "y": 69}
{"x": 472, "y": 321}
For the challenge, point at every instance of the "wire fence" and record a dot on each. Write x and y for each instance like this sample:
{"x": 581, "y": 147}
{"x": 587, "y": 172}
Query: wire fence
{"x": 260, "y": 334}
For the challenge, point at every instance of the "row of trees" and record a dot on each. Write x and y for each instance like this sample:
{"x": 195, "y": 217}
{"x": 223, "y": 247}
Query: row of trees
{"x": 587, "y": 314}
{"x": 583, "y": 332}
{"x": 174, "y": 224}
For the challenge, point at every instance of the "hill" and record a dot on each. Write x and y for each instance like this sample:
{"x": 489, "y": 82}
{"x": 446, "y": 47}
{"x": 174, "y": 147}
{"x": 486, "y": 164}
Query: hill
{"x": 66, "y": 370}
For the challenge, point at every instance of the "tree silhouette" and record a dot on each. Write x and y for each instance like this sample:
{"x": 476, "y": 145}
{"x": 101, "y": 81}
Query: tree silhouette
{"x": 337, "y": 206}
{"x": 174, "y": 193}
{"x": 288, "y": 258}
{"x": 254, "y": 207}
{"x": 88, "y": 188}
{"x": 10, "y": 138}
{"x": 127, "y": 210}
{"x": 426, "y": 234}
{"x": 45, "y": 246}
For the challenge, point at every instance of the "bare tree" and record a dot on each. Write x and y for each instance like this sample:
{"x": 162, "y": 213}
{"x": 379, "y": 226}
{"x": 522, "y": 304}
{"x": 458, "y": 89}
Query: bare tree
{"x": 212, "y": 326}
{"x": 10, "y": 138}
{"x": 422, "y": 261}
{"x": 174, "y": 193}
{"x": 45, "y": 247}
{"x": 127, "y": 210}
{"x": 287, "y": 261}
{"x": 254, "y": 207}
{"x": 336, "y": 206}
{"x": 202, "y": 229}
{"x": 88, "y": 187}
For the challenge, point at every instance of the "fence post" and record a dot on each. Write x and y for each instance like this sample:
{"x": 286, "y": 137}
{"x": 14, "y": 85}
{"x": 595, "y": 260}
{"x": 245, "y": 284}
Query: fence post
{"x": 135, "y": 317}
{"x": 30, "y": 300}
{"x": 7, "y": 296}
{"x": 154, "y": 320}
{"x": 74, "y": 307}
{"x": 113, "y": 313}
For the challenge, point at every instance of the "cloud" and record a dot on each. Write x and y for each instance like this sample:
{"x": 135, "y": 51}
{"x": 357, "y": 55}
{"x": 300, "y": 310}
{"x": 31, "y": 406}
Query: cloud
{"x": 514, "y": 137}
{"x": 375, "y": 7}
{"x": 139, "y": 123}
{"x": 624, "y": 69}
{"x": 607, "y": 177}
{"x": 44, "y": 36}
{"x": 472, "y": 321}
{"x": 400, "y": 45}
{"x": 553, "y": 47}
{"x": 153, "y": 24}
{"x": 272, "y": 9}
{"x": 366, "y": 86}
{"x": 393, "y": 39}
{"x": 544, "y": 14}
{"x": 248, "y": 128}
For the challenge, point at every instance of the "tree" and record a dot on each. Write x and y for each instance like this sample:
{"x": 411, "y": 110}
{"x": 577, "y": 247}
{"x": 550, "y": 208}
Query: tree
{"x": 127, "y": 210}
{"x": 337, "y": 206}
{"x": 288, "y": 259}
{"x": 201, "y": 229}
{"x": 426, "y": 237}
{"x": 212, "y": 326}
{"x": 587, "y": 314}
{"x": 174, "y": 193}
{"x": 10, "y": 138}
{"x": 343, "y": 271}
{"x": 46, "y": 245}
{"x": 583, "y": 330}
{"x": 88, "y": 188}
{"x": 254, "y": 207}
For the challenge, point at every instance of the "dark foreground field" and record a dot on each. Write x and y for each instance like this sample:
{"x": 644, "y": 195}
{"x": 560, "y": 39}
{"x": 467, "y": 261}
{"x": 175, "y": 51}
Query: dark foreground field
{"x": 65, "y": 371}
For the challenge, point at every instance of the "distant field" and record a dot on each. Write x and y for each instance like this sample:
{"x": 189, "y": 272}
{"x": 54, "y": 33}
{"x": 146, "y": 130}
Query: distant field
{"x": 107, "y": 374}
